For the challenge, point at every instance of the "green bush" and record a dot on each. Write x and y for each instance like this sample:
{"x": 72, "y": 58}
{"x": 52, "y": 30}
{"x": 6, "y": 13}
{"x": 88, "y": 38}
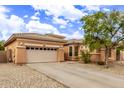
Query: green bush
{"x": 85, "y": 56}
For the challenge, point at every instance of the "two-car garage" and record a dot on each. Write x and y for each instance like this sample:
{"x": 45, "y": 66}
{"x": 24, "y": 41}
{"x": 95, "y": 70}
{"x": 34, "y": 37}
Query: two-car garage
{"x": 41, "y": 54}
{"x": 34, "y": 48}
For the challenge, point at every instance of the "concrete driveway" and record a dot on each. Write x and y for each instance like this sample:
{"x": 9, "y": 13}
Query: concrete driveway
{"x": 73, "y": 75}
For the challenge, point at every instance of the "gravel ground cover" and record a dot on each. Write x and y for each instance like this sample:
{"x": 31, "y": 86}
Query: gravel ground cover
{"x": 13, "y": 76}
{"x": 116, "y": 69}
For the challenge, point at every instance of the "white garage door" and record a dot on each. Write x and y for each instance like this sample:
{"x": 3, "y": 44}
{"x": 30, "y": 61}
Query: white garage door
{"x": 41, "y": 55}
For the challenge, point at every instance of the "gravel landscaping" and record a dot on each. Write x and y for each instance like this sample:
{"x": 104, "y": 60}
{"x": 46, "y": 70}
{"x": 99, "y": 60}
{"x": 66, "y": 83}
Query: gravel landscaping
{"x": 13, "y": 76}
{"x": 116, "y": 69}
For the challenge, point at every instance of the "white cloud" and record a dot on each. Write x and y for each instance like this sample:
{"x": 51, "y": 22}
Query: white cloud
{"x": 42, "y": 28}
{"x": 14, "y": 24}
{"x": 62, "y": 26}
{"x": 35, "y": 18}
{"x": 93, "y": 7}
{"x": 57, "y": 20}
{"x": 106, "y": 9}
{"x": 9, "y": 25}
{"x": 74, "y": 35}
{"x": 70, "y": 25}
{"x": 37, "y": 13}
{"x": 3, "y": 9}
{"x": 25, "y": 16}
{"x": 3, "y": 12}
{"x": 36, "y": 26}
{"x": 67, "y": 11}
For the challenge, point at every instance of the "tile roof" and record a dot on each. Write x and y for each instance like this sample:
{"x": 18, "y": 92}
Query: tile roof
{"x": 75, "y": 41}
{"x": 36, "y": 36}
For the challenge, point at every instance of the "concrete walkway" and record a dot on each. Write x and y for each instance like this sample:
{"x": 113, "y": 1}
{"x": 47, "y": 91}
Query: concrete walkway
{"x": 73, "y": 75}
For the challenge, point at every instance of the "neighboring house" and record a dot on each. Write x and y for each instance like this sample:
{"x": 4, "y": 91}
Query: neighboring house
{"x": 33, "y": 47}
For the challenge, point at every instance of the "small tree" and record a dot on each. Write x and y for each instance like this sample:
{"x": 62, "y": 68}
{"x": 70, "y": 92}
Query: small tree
{"x": 103, "y": 30}
{"x": 2, "y": 45}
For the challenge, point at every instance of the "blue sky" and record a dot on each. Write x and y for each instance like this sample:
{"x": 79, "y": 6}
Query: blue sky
{"x": 56, "y": 19}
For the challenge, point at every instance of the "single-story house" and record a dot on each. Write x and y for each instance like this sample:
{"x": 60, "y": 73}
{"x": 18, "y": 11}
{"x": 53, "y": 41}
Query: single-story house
{"x": 33, "y": 47}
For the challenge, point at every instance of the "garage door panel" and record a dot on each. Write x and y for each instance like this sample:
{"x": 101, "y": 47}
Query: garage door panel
{"x": 41, "y": 56}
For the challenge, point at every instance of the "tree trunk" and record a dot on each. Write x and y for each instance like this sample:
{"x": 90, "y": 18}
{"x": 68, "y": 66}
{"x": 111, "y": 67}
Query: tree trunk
{"x": 106, "y": 57}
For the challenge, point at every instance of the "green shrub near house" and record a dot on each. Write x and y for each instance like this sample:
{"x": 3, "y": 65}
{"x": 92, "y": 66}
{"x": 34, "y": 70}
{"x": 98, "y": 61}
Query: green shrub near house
{"x": 85, "y": 57}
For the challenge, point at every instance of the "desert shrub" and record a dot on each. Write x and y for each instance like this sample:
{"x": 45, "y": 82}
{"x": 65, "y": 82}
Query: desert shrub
{"x": 85, "y": 56}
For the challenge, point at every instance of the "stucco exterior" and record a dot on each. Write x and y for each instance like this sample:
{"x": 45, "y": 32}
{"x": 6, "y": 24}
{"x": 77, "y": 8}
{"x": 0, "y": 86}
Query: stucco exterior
{"x": 18, "y": 49}
{"x": 96, "y": 55}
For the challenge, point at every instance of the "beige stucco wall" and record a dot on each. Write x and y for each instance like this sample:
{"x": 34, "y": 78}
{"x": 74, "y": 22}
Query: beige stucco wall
{"x": 39, "y": 42}
{"x": 13, "y": 48}
{"x": 60, "y": 55}
{"x": 66, "y": 52}
{"x": 113, "y": 55}
{"x": 18, "y": 48}
{"x": 3, "y": 58}
{"x": 122, "y": 55}
{"x": 95, "y": 56}
{"x": 20, "y": 55}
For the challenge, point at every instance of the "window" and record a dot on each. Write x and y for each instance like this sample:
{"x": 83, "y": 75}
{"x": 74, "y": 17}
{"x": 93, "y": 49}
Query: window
{"x": 32, "y": 48}
{"x": 27, "y": 47}
{"x": 36, "y": 48}
{"x": 70, "y": 51}
{"x": 54, "y": 49}
{"x": 76, "y": 51}
{"x": 41, "y": 48}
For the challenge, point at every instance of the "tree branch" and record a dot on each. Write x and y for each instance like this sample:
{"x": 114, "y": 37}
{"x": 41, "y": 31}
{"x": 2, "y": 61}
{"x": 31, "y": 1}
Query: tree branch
{"x": 115, "y": 43}
{"x": 116, "y": 31}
